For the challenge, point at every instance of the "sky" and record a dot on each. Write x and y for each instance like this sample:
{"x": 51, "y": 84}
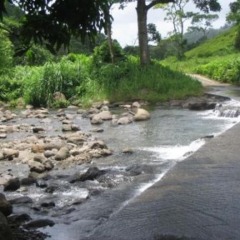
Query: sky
{"x": 124, "y": 26}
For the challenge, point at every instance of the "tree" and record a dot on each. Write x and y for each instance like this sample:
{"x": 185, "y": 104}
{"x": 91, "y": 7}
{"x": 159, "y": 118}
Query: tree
{"x": 234, "y": 17}
{"x": 142, "y": 9}
{"x": 177, "y": 15}
{"x": 53, "y": 22}
{"x": 202, "y": 23}
{"x": 153, "y": 34}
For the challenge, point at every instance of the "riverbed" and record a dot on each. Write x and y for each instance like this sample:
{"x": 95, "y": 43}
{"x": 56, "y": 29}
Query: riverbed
{"x": 152, "y": 148}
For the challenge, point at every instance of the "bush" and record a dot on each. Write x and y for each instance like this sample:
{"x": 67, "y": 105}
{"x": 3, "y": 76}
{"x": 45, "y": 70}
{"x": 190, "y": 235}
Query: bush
{"x": 102, "y": 55}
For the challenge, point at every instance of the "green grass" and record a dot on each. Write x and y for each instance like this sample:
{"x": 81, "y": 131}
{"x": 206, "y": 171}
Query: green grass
{"x": 79, "y": 79}
{"x": 216, "y": 58}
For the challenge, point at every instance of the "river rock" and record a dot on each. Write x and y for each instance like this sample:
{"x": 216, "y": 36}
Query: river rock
{"x": 203, "y": 105}
{"x": 66, "y": 127}
{"x": 38, "y": 129}
{"x": 91, "y": 174}
{"x": 96, "y": 120}
{"x": 77, "y": 138}
{"x": 12, "y": 185}
{"x": 141, "y": 115}
{"x": 127, "y": 150}
{"x": 21, "y": 200}
{"x": 37, "y": 148}
{"x": 36, "y": 167}
{"x": 28, "y": 181}
{"x": 19, "y": 219}
{"x": 10, "y": 153}
{"x": 62, "y": 154}
{"x": 5, "y": 206}
{"x": 39, "y": 223}
{"x": 124, "y": 120}
{"x": 49, "y": 153}
{"x": 3, "y": 135}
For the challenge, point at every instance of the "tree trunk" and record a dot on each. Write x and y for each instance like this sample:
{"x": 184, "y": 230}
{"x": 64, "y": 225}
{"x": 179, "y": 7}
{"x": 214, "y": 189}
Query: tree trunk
{"x": 110, "y": 42}
{"x": 142, "y": 32}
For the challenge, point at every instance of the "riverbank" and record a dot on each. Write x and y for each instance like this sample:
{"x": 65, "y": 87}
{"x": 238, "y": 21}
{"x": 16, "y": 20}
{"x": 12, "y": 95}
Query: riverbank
{"x": 198, "y": 199}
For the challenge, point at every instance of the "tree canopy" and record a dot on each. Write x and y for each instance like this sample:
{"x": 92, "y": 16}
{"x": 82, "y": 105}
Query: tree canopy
{"x": 53, "y": 23}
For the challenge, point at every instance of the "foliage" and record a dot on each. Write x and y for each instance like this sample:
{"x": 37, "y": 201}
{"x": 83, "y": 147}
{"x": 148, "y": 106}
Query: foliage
{"x": 102, "y": 55}
{"x": 153, "y": 34}
{"x": 6, "y": 52}
{"x": 215, "y": 58}
{"x": 53, "y": 22}
{"x": 36, "y": 55}
{"x": 224, "y": 70}
{"x": 202, "y": 22}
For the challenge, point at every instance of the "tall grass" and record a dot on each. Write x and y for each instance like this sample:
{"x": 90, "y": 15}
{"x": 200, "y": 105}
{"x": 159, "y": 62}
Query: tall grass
{"x": 128, "y": 81}
{"x": 77, "y": 77}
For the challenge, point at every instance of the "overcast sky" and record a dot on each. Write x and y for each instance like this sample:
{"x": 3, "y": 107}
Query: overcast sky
{"x": 125, "y": 21}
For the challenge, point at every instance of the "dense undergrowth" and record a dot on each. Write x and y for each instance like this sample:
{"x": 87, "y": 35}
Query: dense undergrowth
{"x": 83, "y": 80}
{"x": 216, "y": 58}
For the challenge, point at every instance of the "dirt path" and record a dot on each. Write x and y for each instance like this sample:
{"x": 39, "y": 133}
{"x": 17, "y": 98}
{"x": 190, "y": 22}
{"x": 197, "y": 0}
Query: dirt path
{"x": 207, "y": 82}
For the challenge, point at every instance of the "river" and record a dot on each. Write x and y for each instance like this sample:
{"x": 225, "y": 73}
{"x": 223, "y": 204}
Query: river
{"x": 157, "y": 145}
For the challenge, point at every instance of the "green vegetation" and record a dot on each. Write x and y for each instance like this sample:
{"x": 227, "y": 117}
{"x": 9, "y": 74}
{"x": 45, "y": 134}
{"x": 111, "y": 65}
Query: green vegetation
{"x": 216, "y": 58}
{"x": 78, "y": 78}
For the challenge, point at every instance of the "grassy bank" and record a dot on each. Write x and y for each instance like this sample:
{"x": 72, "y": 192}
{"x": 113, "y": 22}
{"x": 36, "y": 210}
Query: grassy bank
{"x": 216, "y": 58}
{"x": 80, "y": 80}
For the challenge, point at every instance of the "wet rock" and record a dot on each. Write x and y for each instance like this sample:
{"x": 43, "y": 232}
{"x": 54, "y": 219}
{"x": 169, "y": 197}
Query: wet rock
{"x": 3, "y": 135}
{"x": 38, "y": 129}
{"x": 27, "y": 181}
{"x": 5, "y": 206}
{"x": 1, "y": 156}
{"x": 128, "y": 151}
{"x": 91, "y": 174}
{"x": 19, "y": 219}
{"x": 98, "y": 130}
{"x": 40, "y": 223}
{"x": 77, "y": 138}
{"x": 141, "y": 115}
{"x": 21, "y": 200}
{"x": 137, "y": 169}
{"x": 199, "y": 106}
{"x": 12, "y": 185}
{"x": 48, "y": 204}
{"x": 104, "y": 115}
{"x": 124, "y": 120}
{"x": 62, "y": 154}
{"x": 41, "y": 184}
{"x": 97, "y": 144}
{"x": 5, "y": 231}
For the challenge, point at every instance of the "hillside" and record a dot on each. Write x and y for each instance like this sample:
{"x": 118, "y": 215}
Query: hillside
{"x": 216, "y": 58}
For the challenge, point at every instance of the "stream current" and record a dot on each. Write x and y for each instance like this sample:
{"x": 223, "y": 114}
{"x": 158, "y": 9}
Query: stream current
{"x": 171, "y": 135}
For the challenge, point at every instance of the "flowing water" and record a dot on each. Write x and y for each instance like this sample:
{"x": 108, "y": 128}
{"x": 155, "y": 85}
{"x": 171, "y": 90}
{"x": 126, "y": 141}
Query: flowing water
{"x": 171, "y": 135}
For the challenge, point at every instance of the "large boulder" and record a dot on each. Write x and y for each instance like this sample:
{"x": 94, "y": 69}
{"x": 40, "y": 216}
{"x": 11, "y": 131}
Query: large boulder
{"x": 5, "y": 231}
{"x": 12, "y": 185}
{"x": 141, "y": 115}
{"x": 5, "y": 206}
